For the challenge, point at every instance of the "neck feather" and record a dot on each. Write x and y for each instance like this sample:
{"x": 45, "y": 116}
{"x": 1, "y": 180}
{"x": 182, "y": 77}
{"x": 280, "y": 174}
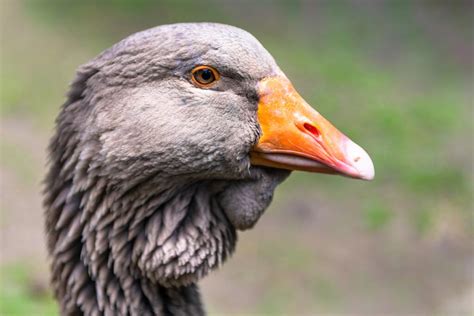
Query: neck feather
{"x": 137, "y": 248}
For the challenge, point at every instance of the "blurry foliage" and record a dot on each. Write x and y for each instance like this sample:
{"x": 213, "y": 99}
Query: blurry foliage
{"x": 377, "y": 217}
{"x": 423, "y": 220}
{"x": 18, "y": 161}
{"x": 22, "y": 295}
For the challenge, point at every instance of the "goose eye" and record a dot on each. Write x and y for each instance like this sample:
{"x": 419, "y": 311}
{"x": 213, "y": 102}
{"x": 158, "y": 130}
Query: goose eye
{"x": 204, "y": 76}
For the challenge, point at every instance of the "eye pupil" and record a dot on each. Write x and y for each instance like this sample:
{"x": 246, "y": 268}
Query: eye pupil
{"x": 206, "y": 74}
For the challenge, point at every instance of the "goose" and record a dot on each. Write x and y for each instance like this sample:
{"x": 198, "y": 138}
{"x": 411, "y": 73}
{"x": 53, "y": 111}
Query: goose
{"x": 170, "y": 142}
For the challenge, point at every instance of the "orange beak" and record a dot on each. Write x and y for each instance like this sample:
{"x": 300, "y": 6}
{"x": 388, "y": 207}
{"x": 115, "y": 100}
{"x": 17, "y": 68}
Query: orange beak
{"x": 297, "y": 137}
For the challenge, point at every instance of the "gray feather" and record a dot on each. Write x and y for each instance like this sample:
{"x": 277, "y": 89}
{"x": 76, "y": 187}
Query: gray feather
{"x": 150, "y": 176}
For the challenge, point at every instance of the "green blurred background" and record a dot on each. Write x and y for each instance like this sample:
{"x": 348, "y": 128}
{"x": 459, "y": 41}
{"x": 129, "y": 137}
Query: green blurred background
{"x": 396, "y": 76}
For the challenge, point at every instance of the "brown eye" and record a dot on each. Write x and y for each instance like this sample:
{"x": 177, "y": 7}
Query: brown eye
{"x": 204, "y": 76}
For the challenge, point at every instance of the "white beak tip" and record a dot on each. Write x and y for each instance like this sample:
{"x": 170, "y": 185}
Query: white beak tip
{"x": 360, "y": 160}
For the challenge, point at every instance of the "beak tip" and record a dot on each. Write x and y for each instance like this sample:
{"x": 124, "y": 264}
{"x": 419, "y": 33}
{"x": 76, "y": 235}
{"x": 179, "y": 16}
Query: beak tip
{"x": 361, "y": 161}
{"x": 369, "y": 173}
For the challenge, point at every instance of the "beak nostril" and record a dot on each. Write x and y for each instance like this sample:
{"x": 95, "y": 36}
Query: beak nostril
{"x": 312, "y": 129}
{"x": 356, "y": 159}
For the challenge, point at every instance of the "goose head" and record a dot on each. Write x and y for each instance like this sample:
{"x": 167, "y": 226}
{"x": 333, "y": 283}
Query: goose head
{"x": 168, "y": 142}
{"x": 207, "y": 101}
